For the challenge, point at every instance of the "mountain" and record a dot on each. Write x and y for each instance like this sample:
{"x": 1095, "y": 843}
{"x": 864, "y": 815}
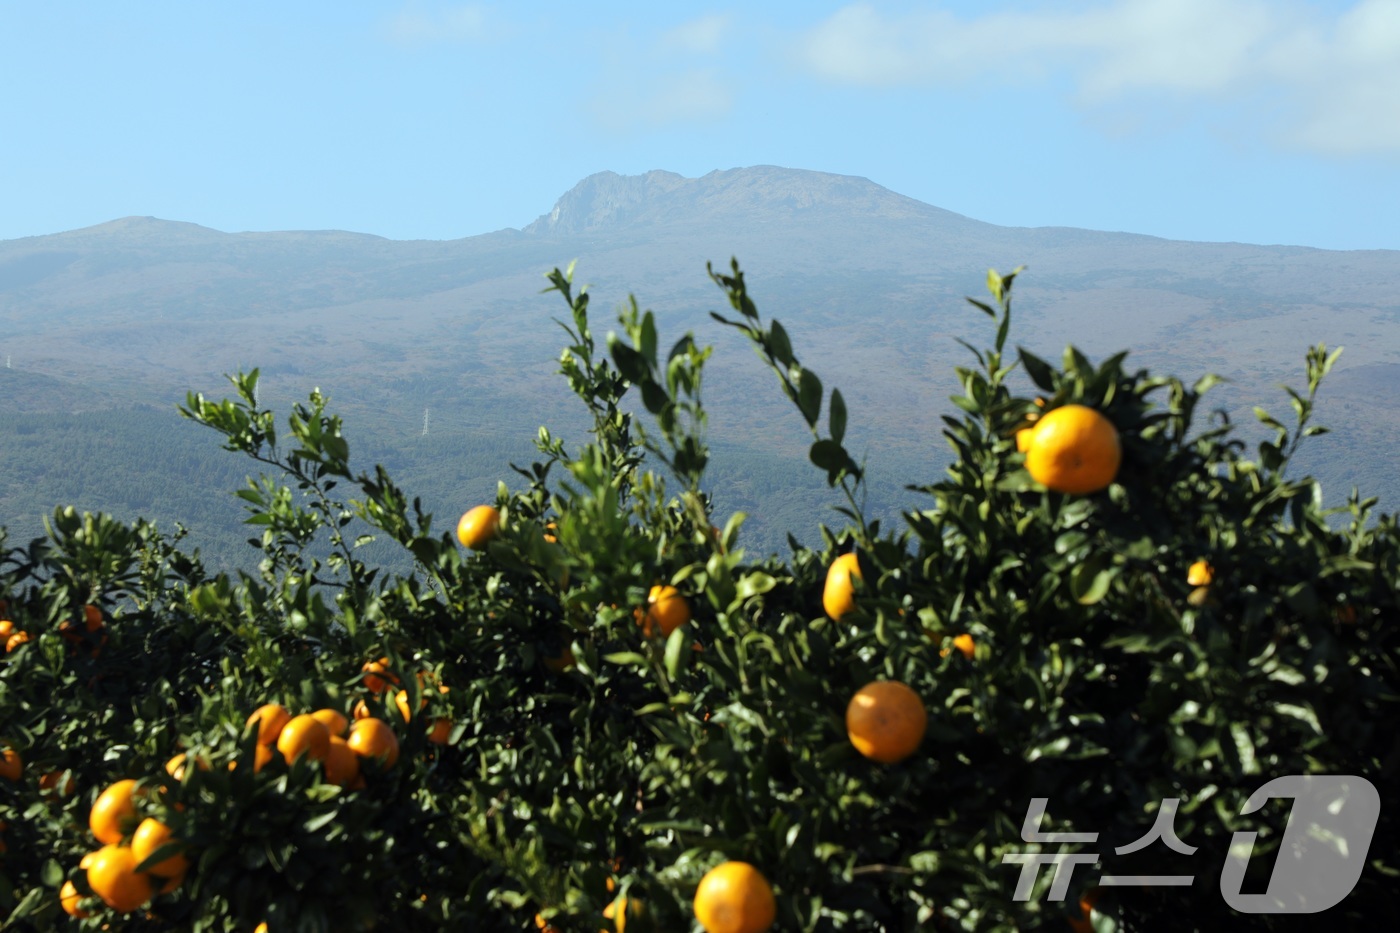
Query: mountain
{"x": 124, "y": 317}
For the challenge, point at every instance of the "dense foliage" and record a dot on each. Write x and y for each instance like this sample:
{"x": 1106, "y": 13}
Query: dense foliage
{"x": 1054, "y": 640}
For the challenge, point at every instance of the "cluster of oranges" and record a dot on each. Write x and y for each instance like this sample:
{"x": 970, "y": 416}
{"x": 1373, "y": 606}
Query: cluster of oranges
{"x": 115, "y": 872}
{"x": 325, "y": 736}
{"x": 92, "y": 628}
{"x": 379, "y": 678}
{"x": 118, "y": 872}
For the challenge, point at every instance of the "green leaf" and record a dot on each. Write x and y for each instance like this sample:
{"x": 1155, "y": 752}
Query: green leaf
{"x": 626, "y": 658}
{"x": 829, "y": 455}
{"x": 836, "y": 416}
{"x": 677, "y": 647}
{"x": 1089, "y": 582}
{"x": 779, "y": 344}
{"x": 809, "y": 396}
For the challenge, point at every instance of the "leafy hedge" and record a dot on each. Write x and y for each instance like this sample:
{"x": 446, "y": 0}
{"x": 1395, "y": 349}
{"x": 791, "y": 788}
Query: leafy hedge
{"x": 589, "y": 762}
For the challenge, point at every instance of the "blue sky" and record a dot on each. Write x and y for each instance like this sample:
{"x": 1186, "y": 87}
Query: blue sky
{"x": 1265, "y": 121}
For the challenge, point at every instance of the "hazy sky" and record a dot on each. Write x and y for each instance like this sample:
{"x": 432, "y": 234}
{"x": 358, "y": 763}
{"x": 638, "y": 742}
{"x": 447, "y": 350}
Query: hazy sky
{"x": 1264, "y": 121}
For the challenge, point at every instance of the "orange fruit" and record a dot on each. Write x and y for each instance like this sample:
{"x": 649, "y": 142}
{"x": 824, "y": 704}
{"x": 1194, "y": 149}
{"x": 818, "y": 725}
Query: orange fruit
{"x": 478, "y": 526}
{"x": 1024, "y": 438}
{"x": 1200, "y": 574}
{"x": 885, "y": 721}
{"x": 439, "y": 731}
{"x": 7, "y": 628}
{"x": 561, "y": 662}
{"x": 113, "y": 877}
{"x": 551, "y": 539}
{"x": 341, "y": 765}
{"x": 619, "y": 910}
{"x": 838, "y": 596}
{"x": 175, "y": 767}
{"x": 262, "y": 757}
{"x": 375, "y": 683}
{"x": 735, "y": 898}
{"x": 1085, "y": 923}
{"x": 270, "y": 717}
{"x": 114, "y": 812}
{"x": 92, "y": 616}
{"x": 68, "y": 898}
{"x": 545, "y": 926}
{"x": 334, "y": 720}
{"x": 1074, "y": 450}
{"x": 304, "y": 735}
{"x": 49, "y": 783}
{"x": 401, "y": 701}
{"x": 11, "y": 764}
{"x": 666, "y": 611}
{"x": 372, "y": 738}
{"x": 150, "y": 836}
{"x": 963, "y": 643}
{"x": 261, "y": 927}
{"x": 361, "y": 710}
{"x": 15, "y": 640}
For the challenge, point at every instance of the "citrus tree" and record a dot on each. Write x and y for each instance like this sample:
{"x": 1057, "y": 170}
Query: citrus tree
{"x": 589, "y": 709}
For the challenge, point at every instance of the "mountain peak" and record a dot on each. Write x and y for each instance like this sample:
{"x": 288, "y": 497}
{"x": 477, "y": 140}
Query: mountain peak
{"x": 136, "y": 230}
{"x": 607, "y": 200}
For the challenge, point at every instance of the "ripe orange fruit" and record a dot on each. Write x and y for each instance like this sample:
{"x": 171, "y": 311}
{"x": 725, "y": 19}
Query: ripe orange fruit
{"x": 1085, "y": 923}
{"x": 361, "y": 710}
{"x": 334, "y": 720}
{"x": 270, "y": 717}
{"x": 1024, "y": 438}
{"x": 401, "y": 701}
{"x": 261, "y": 927}
{"x": 92, "y": 616}
{"x": 15, "y": 640}
{"x": 1200, "y": 574}
{"x": 885, "y": 721}
{"x": 304, "y": 735}
{"x": 262, "y": 757}
{"x": 113, "y": 877}
{"x": 372, "y": 738}
{"x": 341, "y": 765}
{"x": 376, "y": 683}
{"x": 545, "y": 926}
{"x": 150, "y": 836}
{"x": 478, "y": 526}
{"x": 735, "y": 898}
{"x": 838, "y": 596}
{"x": 963, "y": 643}
{"x": 1075, "y": 450}
{"x": 7, "y": 628}
{"x": 11, "y": 764}
{"x": 666, "y": 611}
{"x": 175, "y": 767}
{"x": 49, "y": 784}
{"x": 114, "y": 812}
{"x": 550, "y": 539}
{"x": 561, "y": 662}
{"x": 619, "y": 910}
{"x": 68, "y": 897}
